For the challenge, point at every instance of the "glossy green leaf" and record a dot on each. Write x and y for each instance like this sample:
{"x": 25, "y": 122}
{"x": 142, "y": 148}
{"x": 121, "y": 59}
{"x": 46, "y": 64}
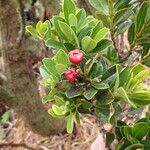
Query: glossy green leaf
{"x": 73, "y": 20}
{"x": 50, "y": 67}
{"x": 68, "y": 32}
{"x": 74, "y": 92}
{"x": 134, "y": 147}
{"x": 122, "y": 16}
{"x": 96, "y": 29}
{"x": 90, "y": 93}
{"x": 141, "y": 17}
{"x": 50, "y": 96}
{"x": 60, "y": 68}
{"x": 61, "y": 57}
{"x": 53, "y": 43}
{"x": 101, "y": 34}
{"x": 32, "y": 30}
{"x": 123, "y": 27}
{"x": 88, "y": 44}
{"x": 51, "y": 112}
{"x": 121, "y": 93}
{"x": 140, "y": 97}
{"x": 100, "y": 85}
{"x": 58, "y": 110}
{"x": 100, "y": 5}
{"x": 110, "y": 137}
{"x": 102, "y": 45}
{"x": 131, "y": 34}
{"x": 68, "y": 8}
{"x": 57, "y": 28}
{"x": 59, "y": 100}
{"x": 140, "y": 130}
{"x": 146, "y": 144}
{"x": 104, "y": 18}
{"x": 70, "y": 123}
{"x": 105, "y": 97}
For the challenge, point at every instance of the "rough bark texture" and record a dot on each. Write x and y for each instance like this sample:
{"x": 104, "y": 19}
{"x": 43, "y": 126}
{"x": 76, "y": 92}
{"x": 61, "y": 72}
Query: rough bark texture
{"x": 86, "y": 5}
{"x": 17, "y": 69}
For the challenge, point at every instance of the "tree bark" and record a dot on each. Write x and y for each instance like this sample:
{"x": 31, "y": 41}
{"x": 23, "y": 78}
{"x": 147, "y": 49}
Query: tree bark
{"x": 24, "y": 95}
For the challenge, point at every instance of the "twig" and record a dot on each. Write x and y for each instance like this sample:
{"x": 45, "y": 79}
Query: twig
{"x": 16, "y": 145}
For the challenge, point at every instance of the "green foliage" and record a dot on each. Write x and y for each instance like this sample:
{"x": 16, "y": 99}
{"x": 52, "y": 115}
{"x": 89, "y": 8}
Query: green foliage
{"x": 133, "y": 137}
{"x": 101, "y": 82}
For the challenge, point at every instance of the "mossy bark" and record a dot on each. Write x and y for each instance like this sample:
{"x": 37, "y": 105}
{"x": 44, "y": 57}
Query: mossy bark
{"x": 20, "y": 83}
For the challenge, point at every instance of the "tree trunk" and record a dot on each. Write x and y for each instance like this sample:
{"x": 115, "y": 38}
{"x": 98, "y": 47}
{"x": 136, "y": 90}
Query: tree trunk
{"x": 20, "y": 84}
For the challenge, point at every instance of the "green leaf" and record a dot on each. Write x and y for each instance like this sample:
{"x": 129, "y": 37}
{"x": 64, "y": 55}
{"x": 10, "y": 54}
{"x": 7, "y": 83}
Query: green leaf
{"x": 74, "y": 92}
{"x": 84, "y": 106}
{"x": 81, "y": 16}
{"x": 137, "y": 69}
{"x": 102, "y": 45}
{"x": 140, "y": 97}
{"x": 84, "y": 32}
{"x": 59, "y": 100}
{"x": 121, "y": 93}
{"x": 5, "y": 117}
{"x": 140, "y": 130}
{"x": 70, "y": 123}
{"x": 69, "y": 46}
{"x": 123, "y": 27}
{"x": 109, "y": 138}
{"x": 90, "y": 93}
{"x": 111, "y": 71}
{"x": 43, "y": 72}
{"x": 58, "y": 110}
{"x": 100, "y": 5}
{"x": 124, "y": 76}
{"x": 131, "y": 34}
{"x": 69, "y": 33}
{"x": 101, "y": 34}
{"x": 141, "y": 17}
{"x": 50, "y": 96}
{"x": 60, "y": 68}
{"x": 73, "y": 20}
{"x": 105, "y": 97}
{"x": 77, "y": 116}
{"x": 126, "y": 132}
{"x": 96, "y": 29}
{"x": 139, "y": 78}
{"x": 61, "y": 57}
{"x": 122, "y": 4}
{"x": 51, "y": 67}
{"x": 32, "y": 30}
{"x": 100, "y": 85}
{"x": 122, "y": 16}
{"x": 146, "y": 144}
{"x": 68, "y": 8}
{"x": 88, "y": 44}
{"x": 53, "y": 43}
{"x": 134, "y": 147}
{"x": 51, "y": 112}
{"x": 104, "y": 18}
{"x": 42, "y": 29}
{"x": 55, "y": 21}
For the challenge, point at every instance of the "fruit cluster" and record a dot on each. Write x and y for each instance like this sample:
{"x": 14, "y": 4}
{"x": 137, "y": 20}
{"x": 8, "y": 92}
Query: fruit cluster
{"x": 75, "y": 57}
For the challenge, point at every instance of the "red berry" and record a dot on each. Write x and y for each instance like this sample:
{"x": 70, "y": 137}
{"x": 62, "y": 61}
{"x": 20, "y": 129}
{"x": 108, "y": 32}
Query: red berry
{"x": 70, "y": 75}
{"x": 75, "y": 56}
